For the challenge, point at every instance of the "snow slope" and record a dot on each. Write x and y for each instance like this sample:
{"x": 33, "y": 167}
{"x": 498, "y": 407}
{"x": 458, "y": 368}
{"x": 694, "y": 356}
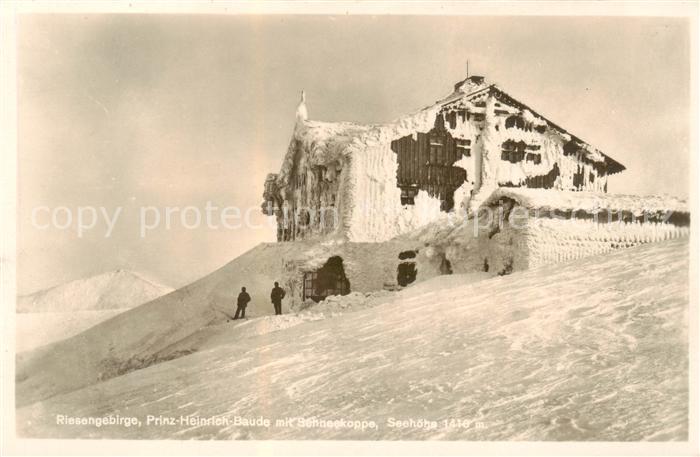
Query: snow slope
{"x": 594, "y": 349}
{"x": 133, "y": 338}
{"x": 37, "y": 329}
{"x": 63, "y": 311}
{"x": 118, "y": 289}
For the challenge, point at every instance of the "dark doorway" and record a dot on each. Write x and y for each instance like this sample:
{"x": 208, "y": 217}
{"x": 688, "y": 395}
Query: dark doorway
{"x": 406, "y": 273}
{"x": 328, "y": 280}
{"x": 445, "y": 266}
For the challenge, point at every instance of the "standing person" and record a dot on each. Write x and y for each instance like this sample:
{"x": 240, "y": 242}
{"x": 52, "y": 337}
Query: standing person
{"x": 276, "y": 296}
{"x": 243, "y": 299}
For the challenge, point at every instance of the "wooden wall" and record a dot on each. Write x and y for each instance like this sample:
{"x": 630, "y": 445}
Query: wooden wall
{"x": 427, "y": 163}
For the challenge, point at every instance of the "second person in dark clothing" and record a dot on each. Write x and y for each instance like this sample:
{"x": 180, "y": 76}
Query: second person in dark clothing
{"x": 243, "y": 299}
{"x": 276, "y": 296}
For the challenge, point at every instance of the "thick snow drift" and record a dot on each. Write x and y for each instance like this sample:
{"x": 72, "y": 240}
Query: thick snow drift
{"x": 595, "y": 349}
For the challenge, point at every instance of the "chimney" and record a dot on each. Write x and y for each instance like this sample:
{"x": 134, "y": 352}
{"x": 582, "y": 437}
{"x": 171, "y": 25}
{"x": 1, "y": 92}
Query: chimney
{"x": 471, "y": 84}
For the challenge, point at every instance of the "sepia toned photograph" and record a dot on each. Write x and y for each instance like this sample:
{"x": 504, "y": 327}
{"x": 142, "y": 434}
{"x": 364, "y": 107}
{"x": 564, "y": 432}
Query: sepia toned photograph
{"x": 340, "y": 225}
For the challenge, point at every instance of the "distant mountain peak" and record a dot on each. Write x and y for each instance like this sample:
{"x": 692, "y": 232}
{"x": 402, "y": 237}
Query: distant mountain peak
{"x": 117, "y": 289}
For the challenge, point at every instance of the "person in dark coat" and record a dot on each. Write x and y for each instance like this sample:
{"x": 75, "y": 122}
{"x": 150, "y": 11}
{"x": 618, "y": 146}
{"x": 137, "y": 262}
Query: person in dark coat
{"x": 276, "y": 296}
{"x": 243, "y": 299}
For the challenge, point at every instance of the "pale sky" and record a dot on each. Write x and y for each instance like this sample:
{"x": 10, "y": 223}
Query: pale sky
{"x": 135, "y": 110}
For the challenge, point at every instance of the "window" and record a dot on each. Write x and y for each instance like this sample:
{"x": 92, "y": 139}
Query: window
{"x": 464, "y": 147}
{"x": 579, "y": 178}
{"x": 513, "y": 152}
{"x": 407, "y": 255}
{"x": 512, "y": 156}
{"x": 408, "y": 195}
{"x": 571, "y": 148}
{"x": 452, "y": 119}
{"x": 328, "y": 280}
{"x": 309, "y": 280}
{"x": 436, "y": 141}
{"x": 515, "y": 122}
{"x": 534, "y": 158}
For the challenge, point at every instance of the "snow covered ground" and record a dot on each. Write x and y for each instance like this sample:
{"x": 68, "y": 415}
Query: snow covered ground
{"x": 594, "y": 349}
{"x": 37, "y": 329}
{"x": 136, "y": 337}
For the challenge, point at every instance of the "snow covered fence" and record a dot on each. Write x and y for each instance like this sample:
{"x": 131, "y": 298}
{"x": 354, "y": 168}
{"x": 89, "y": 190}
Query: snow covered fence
{"x": 517, "y": 229}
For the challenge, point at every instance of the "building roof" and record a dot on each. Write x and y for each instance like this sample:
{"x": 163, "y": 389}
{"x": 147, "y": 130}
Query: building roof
{"x": 477, "y": 87}
{"x": 590, "y": 202}
{"x": 325, "y": 142}
{"x": 335, "y": 137}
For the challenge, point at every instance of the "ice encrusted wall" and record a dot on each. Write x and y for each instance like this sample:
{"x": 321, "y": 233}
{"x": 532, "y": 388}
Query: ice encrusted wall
{"x": 518, "y": 228}
{"x": 527, "y": 242}
{"x": 377, "y": 213}
{"x": 540, "y": 242}
{"x": 470, "y": 247}
{"x": 347, "y": 173}
{"x": 544, "y": 154}
{"x": 368, "y": 266}
{"x": 308, "y": 195}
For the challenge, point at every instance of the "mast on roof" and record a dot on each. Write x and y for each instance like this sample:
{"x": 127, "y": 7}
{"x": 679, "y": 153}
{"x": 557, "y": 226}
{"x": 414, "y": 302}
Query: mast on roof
{"x": 302, "y": 113}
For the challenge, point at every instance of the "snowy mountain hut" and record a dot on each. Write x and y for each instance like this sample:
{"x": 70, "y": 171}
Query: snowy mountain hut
{"x": 365, "y": 191}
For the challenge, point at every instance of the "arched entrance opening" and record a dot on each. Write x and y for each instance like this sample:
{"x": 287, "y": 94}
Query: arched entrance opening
{"x": 328, "y": 280}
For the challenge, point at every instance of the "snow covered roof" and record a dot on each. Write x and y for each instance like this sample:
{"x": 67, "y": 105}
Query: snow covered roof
{"x": 549, "y": 199}
{"x": 329, "y": 139}
{"x": 316, "y": 132}
{"x": 593, "y": 154}
{"x": 324, "y": 142}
